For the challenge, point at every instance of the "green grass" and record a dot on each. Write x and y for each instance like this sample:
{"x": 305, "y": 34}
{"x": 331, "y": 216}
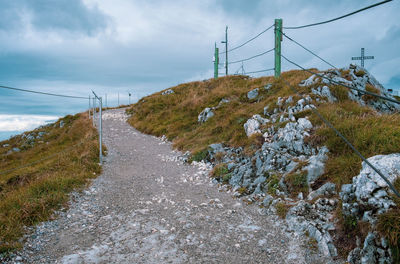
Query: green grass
{"x": 297, "y": 182}
{"x": 30, "y": 195}
{"x": 175, "y": 115}
{"x": 220, "y": 172}
{"x": 281, "y": 209}
{"x": 372, "y": 133}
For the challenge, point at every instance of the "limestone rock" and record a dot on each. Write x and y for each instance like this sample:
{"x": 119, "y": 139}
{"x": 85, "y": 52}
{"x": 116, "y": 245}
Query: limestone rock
{"x": 326, "y": 189}
{"x": 311, "y": 80}
{"x": 166, "y": 92}
{"x": 223, "y": 101}
{"x": 324, "y": 92}
{"x": 252, "y": 94}
{"x": 316, "y": 165}
{"x": 252, "y": 126}
{"x": 206, "y": 114}
{"x": 268, "y": 87}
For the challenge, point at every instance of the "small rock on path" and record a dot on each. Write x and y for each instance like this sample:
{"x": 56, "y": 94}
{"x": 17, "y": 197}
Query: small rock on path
{"x": 149, "y": 207}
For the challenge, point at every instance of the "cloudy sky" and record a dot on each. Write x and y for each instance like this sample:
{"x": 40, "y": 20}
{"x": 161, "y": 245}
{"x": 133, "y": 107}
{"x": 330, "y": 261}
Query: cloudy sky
{"x": 143, "y": 46}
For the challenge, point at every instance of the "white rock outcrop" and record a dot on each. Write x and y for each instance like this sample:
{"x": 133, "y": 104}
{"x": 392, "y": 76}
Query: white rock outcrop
{"x": 252, "y": 126}
{"x": 166, "y": 92}
{"x": 206, "y": 114}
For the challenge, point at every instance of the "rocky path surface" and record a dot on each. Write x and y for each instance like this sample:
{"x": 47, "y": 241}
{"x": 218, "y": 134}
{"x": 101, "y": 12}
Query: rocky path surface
{"x": 149, "y": 207}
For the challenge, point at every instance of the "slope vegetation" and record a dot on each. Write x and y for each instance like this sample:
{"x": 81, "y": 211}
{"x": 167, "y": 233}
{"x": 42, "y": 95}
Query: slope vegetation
{"x": 176, "y": 116}
{"x": 238, "y": 102}
{"x": 39, "y": 168}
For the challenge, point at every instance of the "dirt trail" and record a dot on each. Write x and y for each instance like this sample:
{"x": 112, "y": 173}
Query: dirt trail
{"x": 149, "y": 207}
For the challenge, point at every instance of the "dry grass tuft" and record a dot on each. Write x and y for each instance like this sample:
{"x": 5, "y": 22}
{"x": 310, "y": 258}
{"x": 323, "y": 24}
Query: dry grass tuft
{"x": 175, "y": 115}
{"x": 30, "y": 195}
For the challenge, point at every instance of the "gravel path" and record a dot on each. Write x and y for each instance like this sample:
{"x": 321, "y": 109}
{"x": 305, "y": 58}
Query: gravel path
{"x": 149, "y": 207}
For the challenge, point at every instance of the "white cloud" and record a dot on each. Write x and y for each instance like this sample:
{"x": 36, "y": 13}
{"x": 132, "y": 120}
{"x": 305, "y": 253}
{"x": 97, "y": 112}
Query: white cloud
{"x": 23, "y": 122}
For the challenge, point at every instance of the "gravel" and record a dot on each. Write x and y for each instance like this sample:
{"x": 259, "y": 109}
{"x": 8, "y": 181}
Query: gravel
{"x": 148, "y": 206}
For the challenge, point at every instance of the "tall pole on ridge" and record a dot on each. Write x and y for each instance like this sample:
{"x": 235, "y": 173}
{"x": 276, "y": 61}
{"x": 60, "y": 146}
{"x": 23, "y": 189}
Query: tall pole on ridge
{"x": 226, "y": 50}
{"x": 278, "y": 40}
{"x": 216, "y": 61}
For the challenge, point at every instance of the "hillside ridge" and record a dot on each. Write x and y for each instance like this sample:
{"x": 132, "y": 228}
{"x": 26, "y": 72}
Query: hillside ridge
{"x": 267, "y": 146}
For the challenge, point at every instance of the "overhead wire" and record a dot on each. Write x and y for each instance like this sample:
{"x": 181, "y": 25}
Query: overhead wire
{"x": 341, "y": 84}
{"x": 260, "y": 71}
{"x": 337, "y": 132}
{"x": 248, "y": 41}
{"x": 313, "y": 53}
{"x": 250, "y": 58}
{"x": 341, "y": 17}
{"x": 45, "y": 93}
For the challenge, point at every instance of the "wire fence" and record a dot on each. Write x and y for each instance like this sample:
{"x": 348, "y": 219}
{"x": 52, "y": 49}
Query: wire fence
{"x": 243, "y": 72}
{"x": 338, "y": 18}
{"x": 91, "y": 113}
{"x": 314, "y": 110}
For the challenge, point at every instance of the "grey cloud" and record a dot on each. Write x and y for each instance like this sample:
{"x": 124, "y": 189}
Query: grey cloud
{"x": 61, "y": 15}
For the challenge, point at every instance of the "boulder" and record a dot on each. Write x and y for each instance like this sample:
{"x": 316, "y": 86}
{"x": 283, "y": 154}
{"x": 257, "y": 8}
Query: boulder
{"x": 16, "y": 150}
{"x": 252, "y": 94}
{"x": 326, "y": 189}
{"x": 252, "y": 126}
{"x": 368, "y": 188}
{"x": 267, "y": 87}
{"x": 206, "y": 114}
{"x": 166, "y": 92}
{"x": 324, "y": 92}
{"x": 313, "y": 220}
{"x": 311, "y": 80}
{"x": 223, "y": 101}
{"x": 373, "y": 250}
{"x": 316, "y": 165}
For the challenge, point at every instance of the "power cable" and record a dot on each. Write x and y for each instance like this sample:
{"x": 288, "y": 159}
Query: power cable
{"x": 334, "y": 19}
{"x": 289, "y": 38}
{"x": 260, "y": 71}
{"x": 341, "y": 84}
{"x": 37, "y": 92}
{"x": 255, "y": 56}
{"x": 250, "y": 40}
{"x": 347, "y": 142}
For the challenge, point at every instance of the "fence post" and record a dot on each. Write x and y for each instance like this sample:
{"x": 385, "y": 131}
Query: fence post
{"x": 278, "y": 40}
{"x": 226, "y": 50}
{"x": 94, "y": 111}
{"x": 90, "y": 106}
{"x": 101, "y": 130}
{"x": 216, "y": 61}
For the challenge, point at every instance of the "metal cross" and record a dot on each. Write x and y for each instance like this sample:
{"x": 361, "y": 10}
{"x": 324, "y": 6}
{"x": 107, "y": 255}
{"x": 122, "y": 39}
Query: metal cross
{"x": 362, "y": 58}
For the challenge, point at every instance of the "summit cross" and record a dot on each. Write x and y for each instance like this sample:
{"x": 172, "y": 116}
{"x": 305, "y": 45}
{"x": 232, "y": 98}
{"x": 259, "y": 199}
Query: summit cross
{"x": 362, "y": 58}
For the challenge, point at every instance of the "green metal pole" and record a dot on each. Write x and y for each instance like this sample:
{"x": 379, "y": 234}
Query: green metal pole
{"x": 216, "y": 61}
{"x": 278, "y": 40}
{"x": 226, "y": 50}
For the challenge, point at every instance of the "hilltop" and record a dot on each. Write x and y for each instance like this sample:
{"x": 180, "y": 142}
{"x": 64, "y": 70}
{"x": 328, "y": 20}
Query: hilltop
{"x": 269, "y": 148}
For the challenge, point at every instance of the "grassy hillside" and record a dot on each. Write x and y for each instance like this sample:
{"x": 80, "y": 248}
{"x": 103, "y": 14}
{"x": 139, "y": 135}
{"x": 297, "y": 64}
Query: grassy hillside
{"x": 39, "y": 168}
{"x": 175, "y": 115}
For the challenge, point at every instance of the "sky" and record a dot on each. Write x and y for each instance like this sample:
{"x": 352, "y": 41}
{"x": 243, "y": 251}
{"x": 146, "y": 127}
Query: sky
{"x": 142, "y": 46}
